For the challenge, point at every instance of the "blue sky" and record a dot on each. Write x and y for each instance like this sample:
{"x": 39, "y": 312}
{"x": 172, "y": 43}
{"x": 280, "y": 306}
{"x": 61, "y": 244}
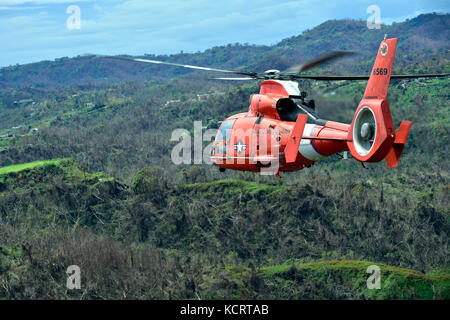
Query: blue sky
{"x": 35, "y": 30}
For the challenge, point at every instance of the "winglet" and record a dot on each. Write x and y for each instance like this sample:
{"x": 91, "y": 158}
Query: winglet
{"x": 291, "y": 150}
{"x": 394, "y": 155}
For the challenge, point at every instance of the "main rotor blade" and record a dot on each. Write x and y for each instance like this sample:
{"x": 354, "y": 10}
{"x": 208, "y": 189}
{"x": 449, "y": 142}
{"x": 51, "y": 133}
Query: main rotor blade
{"x": 180, "y": 65}
{"x": 406, "y": 76}
{"x": 356, "y": 78}
{"x": 234, "y": 78}
{"x": 287, "y": 75}
{"x": 329, "y": 56}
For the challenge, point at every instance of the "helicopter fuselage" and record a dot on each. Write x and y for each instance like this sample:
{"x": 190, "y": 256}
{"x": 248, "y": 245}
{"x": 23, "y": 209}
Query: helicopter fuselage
{"x": 281, "y": 132}
{"x": 258, "y": 138}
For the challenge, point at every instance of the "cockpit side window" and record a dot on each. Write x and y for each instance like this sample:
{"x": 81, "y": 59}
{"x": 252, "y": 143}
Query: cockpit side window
{"x": 225, "y": 130}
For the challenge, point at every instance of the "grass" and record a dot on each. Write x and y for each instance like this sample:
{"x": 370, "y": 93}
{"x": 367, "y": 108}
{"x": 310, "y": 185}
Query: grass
{"x": 29, "y": 165}
{"x": 396, "y": 283}
{"x": 70, "y": 168}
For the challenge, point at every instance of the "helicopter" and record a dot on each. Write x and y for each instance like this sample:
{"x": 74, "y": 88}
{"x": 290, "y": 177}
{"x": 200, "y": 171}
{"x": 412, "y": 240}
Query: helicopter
{"x": 281, "y": 131}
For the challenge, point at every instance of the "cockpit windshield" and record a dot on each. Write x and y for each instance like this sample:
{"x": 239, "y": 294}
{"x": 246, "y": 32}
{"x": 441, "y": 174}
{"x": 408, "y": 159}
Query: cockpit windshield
{"x": 225, "y": 129}
{"x": 223, "y": 136}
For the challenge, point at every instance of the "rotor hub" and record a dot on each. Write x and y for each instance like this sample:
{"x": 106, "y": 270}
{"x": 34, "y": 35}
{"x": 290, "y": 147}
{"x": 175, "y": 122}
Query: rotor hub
{"x": 367, "y": 130}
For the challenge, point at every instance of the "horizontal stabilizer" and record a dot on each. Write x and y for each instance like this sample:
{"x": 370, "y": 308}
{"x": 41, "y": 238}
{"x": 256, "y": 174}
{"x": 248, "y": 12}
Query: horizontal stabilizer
{"x": 394, "y": 155}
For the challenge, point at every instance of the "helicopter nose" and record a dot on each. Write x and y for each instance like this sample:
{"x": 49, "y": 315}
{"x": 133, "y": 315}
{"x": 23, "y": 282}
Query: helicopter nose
{"x": 367, "y": 131}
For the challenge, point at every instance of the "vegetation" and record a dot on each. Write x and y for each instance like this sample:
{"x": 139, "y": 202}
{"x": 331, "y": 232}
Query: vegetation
{"x": 220, "y": 239}
{"x": 336, "y": 280}
{"x": 87, "y": 179}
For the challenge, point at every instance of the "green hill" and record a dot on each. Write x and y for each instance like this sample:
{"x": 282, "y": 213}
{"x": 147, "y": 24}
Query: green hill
{"x": 334, "y": 280}
{"x": 227, "y": 239}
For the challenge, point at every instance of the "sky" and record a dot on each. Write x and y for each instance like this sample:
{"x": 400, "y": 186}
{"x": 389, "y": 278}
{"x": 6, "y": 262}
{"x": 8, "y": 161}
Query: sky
{"x": 35, "y": 30}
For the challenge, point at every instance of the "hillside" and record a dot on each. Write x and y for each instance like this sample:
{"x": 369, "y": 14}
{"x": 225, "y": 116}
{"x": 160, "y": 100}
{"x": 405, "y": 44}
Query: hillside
{"x": 334, "y": 280}
{"x": 231, "y": 240}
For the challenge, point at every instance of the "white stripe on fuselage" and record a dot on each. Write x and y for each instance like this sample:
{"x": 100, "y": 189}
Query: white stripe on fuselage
{"x": 306, "y": 149}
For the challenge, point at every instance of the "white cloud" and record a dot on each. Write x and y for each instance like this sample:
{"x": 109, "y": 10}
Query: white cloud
{"x": 21, "y": 2}
{"x": 2, "y": 8}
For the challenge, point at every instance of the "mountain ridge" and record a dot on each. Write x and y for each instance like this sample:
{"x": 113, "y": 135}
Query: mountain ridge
{"x": 425, "y": 36}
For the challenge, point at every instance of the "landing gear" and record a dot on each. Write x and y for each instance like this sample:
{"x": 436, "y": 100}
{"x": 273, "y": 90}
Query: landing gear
{"x": 222, "y": 169}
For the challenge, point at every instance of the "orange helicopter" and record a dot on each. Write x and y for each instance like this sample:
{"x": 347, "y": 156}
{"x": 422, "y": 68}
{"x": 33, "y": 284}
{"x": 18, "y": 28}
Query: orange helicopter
{"x": 282, "y": 132}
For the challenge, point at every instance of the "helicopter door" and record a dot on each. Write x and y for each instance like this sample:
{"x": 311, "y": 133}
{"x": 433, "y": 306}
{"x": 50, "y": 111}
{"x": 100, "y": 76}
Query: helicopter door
{"x": 242, "y": 141}
{"x": 255, "y": 137}
{"x": 265, "y": 135}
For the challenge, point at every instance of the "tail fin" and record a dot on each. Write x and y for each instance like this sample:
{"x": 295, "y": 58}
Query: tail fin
{"x": 372, "y": 133}
{"x": 378, "y": 84}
